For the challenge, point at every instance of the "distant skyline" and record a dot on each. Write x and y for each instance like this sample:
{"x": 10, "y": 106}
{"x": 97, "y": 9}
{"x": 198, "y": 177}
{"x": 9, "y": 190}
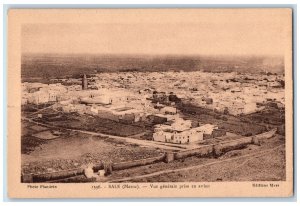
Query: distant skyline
{"x": 202, "y": 32}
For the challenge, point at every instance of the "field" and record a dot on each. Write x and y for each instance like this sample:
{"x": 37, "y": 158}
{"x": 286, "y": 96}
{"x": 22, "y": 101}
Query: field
{"x": 73, "y": 149}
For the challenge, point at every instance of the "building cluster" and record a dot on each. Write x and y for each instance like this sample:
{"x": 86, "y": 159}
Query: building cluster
{"x": 225, "y": 92}
{"x": 38, "y": 93}
{"x": 180, "y": 131}
{"x": 131, "y": 97}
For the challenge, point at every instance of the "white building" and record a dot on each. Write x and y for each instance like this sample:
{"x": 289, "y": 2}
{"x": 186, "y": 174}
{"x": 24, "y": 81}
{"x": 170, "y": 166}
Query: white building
{"x": 180, "y": 132}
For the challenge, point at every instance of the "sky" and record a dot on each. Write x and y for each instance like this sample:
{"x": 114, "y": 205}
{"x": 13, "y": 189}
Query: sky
{"x": 200, "y": 32}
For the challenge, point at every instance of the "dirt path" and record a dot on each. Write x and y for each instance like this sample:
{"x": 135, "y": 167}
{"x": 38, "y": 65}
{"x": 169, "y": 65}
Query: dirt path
{"x": 41, "y": 110}
{"x": 253, "y": 155}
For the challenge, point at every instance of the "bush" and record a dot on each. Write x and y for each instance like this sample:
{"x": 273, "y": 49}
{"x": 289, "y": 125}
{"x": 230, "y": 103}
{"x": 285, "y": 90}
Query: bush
{"x": 248, "y": 134}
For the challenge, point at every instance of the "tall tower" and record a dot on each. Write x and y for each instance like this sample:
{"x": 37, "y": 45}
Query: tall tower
{"x": 84, "y": 82}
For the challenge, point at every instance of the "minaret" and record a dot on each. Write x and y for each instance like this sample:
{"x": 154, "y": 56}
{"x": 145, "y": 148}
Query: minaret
{"x": 84, "y": 82}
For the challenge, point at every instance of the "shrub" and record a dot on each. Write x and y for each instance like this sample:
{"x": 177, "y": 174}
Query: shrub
{"x": 248, "y": 134}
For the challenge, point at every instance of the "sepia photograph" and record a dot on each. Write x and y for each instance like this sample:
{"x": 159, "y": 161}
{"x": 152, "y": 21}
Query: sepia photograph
{"x": 159, "y": 100}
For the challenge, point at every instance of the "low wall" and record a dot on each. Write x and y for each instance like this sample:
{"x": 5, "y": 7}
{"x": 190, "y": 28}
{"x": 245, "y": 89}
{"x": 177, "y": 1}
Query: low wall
{"x": 202, "y": 152}
{"x": 55, "y": 175}
{"x": 98, "y": 167}
{"x": 257, "y": 139}
{"x": 222, "y": 148}
{"x": 266, "y": 135}
{"x": 108, "y": 115}
{"x": 126, "y": 165}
